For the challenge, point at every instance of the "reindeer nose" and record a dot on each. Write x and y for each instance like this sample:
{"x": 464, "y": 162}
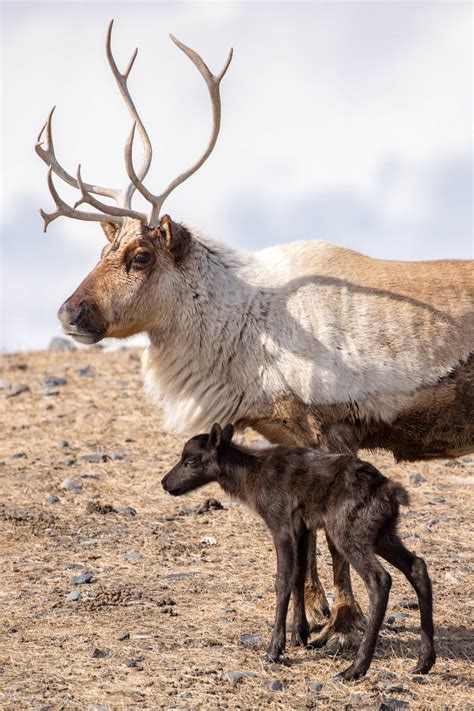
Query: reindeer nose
{"x": 77, "y": 315}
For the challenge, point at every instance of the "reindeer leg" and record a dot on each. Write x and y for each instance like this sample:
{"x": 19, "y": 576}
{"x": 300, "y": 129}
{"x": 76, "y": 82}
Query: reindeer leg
{"x": 300, "y": 630}
{"x": 316, "y": 604}
{"x": 342, "y": 630}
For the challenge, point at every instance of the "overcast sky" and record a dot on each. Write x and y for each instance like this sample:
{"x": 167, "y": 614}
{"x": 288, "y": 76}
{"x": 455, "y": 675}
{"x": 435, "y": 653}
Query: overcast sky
{"x": 350, "y": 122}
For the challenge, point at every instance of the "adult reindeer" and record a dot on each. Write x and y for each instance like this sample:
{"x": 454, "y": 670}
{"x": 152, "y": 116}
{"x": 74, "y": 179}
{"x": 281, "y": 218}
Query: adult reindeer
{"x": 300, "y": 341}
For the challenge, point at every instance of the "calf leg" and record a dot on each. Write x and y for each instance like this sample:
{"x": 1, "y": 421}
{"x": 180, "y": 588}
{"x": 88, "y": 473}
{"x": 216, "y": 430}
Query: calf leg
{"x": 392, "y": 549}
{"x": 342, "y": 631}
{"x": 300, "y": 630}
{"x": 285, "y": 550}
{"x": 378, "y": 583}
{"x": 316, "y": 604}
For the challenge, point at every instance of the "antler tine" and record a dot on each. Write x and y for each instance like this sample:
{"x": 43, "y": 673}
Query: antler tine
{"x": 108, "y": 209}
{"x": 68, "y": 211}
{"x": 212, "y": 82}
{"x": 121, "y": 80}
{"x": 48, "y": 156}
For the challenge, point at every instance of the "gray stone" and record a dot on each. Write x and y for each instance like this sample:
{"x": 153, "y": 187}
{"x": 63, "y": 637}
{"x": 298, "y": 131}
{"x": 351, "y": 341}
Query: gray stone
{"x": 123, "y": 636}
{"x": 100, "y": 653}
{"x": 4, "y": 384}
{"x": 251, "y": 640}
{"x": 18, "y": 390}
{"x": 53, "y": 499}
{"x": 466, "y": 459}
{"x": 118, "y": 457}
{"x": 54, "y": 380}
{"x": 69, "y": 461}
{"x": 86, "y": 371}
{"x": 178, "y": 576}
{"x": 133, "y": 556}
{"x": 71, "y": 485}
{"x": 275, "y": 685}
{"x": 407, "y": 604}
{"x": 61, "y": 344}
{"x": 315, "y": 686}
{"x": 133, "y": 661}
{"x": 50, "y": 391}
{"x": 82, "y": 578}
{"x": 95, "y": 458}
{"x": 390, "y": 685}
{"x": 437, "y": 500}
{"x": 18, "y": 455}
{"x": 73, "y": 595}
{"x": 126, "y": 510}
{"x": 240, "y": 674}
{"x": 63, "y": 444}
{"x": 417, "y": 478}
{"x": 98, "y": 707}
{"x": 393, "y": 705}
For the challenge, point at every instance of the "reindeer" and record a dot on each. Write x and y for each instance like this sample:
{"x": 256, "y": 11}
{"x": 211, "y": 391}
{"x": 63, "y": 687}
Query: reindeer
{"x": 296, "y": 490}
{"x": 292, "y": 341}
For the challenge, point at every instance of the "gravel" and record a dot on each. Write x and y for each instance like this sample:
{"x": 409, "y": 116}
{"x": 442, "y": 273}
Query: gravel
{"x": 18, "y": 390}
{"x": 275, "y": 685}
{"x": 71, "y": 485}
{"x": 61, "y": 344}
{"x": 239, "y": 674}
{"x": 73, "y": 596}
{"x": 53, "y": 381}
{"x": 84, "y": 577}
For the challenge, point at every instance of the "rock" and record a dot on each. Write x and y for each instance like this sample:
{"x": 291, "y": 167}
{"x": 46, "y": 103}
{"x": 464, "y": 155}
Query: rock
{"x": 82, "y": 578}
{"x": 61, "y": 344}
{"x": 73, "y": 595}
{"x": 98, "y": 707}
{"x": 53, "y": 499}
{"x": 69, "y": 461}
{"x": 63, "y": 444}
{"x": 123, "y": 636}
{"x": 386, "y": 673}
{"x": 275, "y": 685}
{"x": 390, "y": 685}
{"x": 18, "y": 455}
{"x": 236, "y": 675}
{"x": 178, "y": 576}
{"x": 466, "y": 459}
{"x": 71, "y": 485}
{"x": 451, "y": 463}
{"x": 432, "y": 522}
{"x": 393, "y": 705}
{"x": 133, "y": 556}
{"x": 126, "y": 510}
{"x": 100, "y": 653}
{"x": 18, "y": 390}
{"x": 95, "y": 458}
{"x": 117, "y": 457}
{"x": 209, "y": 505}
{"x": 133, "y": 661}
{"x": 94, "y": 507}
{"x": 86, "y": 371}
{"x": 185, "y": 511}
{"x": 4, "y": 384}
{"x": 315, "y": 686}
{"x": 53, "y": 381}
{"x": 251, "y": 640}
{"x": 208, "y": 541}
{"x": 437, "y": 500}
{"x": 417, "y": 478}
{"x": 229, "y": 609}
{"x": 50, "y": 391}
{"x": 407, "y": 604}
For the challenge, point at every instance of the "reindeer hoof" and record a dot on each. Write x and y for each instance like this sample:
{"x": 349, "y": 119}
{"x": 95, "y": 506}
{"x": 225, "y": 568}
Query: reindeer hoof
{"x": 424, "y": 665}
{"x": 349, "y": 674}
{"x": 342, "y": 631}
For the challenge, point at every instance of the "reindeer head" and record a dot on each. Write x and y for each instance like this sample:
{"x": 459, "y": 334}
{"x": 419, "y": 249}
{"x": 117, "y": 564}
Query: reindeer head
{"x": 119, "y": 297}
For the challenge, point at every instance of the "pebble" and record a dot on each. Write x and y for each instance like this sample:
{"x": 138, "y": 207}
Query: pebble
{"x": 208, "y": 541}
{"x": 71, "y": 485}
{"x": 133, "y": 556}
{"x": 54, "y": 380}
{"x": 95, "y": 458}
{"x": 69, "y": 461}
{"x": 123, "y": 636}
{"x": 98, "y": 707}
{"x": 18, "y": 390}
{"x": 127, "y": 510}
{"x": 100, "y": 653}
{"x": 185, "y": 511}
{"x": 467, "y": 459}
{"x": 63, "y": 444}
{"x": 390, "y": 685}
{"x": 117, "y": 457}
{"x": 18, "y": 455}
{"x": 50, "y": 391}
{"x": 86, "y": 371}
{"x": 393, "y": 705}
{"x": 133, "y": 661}
{"x": 315, "y": 686}
{"x": 417, "y": 478}
{"x": 73, "y": 595}
{"x": 61, "y": 344}
{"x": 407, "y": 604}
{"x": 53, "y": 499}
{"x": 437, "y": 500}
{"x": 450, "y": 463}
{"x": 236, "y": 675}
{"x": 251, "y": 640}
{"x": 4, "y": 384}
{"x": 178, "y": 576}
{"x": 82, "y": 578}
{"x": 275, "y": 685}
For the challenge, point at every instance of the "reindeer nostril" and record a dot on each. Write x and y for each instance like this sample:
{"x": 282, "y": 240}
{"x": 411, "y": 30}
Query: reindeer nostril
{"x": 77, "y": 315}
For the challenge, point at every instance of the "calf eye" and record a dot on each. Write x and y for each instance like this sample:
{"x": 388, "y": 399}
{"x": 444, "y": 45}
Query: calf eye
{"x": 189, "y": 461}
{"x": 142, "y": 258}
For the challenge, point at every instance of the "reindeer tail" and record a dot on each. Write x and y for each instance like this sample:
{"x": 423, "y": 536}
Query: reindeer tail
{"x": 398, "y": 493}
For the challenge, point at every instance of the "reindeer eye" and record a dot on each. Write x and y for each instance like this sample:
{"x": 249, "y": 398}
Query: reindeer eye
{"x": 142, "y": 258}
{"x": 189, "y": 461}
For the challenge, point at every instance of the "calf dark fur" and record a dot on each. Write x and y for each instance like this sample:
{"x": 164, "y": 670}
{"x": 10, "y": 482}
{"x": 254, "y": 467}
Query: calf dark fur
{"x": 296, "y": 490}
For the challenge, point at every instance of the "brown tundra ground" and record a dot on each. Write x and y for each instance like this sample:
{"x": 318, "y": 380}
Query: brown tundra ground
{"x": 181, "y": 594}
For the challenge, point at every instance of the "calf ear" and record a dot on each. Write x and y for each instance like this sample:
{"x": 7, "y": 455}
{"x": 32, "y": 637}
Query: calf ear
{"x": 215, "y": 436}
{"x": 228, "y": 433}
{"x": 175, "y": 238}
{"x": 110, "y": 230}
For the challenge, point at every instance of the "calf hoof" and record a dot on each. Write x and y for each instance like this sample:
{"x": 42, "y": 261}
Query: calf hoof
{"x": 299, "y": 636}
{"x": 342, "y": 631}
{"x": 274, "y": 653}
{"x": 350, "y": 674}
{"x": 424, "y": 665}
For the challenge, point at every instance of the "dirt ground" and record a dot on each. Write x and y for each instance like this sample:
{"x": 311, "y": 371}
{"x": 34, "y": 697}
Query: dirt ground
{"x": 175, "y": 589}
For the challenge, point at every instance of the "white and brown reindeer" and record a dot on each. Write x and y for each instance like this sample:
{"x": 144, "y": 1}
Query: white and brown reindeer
{"x": 293, "y": 341}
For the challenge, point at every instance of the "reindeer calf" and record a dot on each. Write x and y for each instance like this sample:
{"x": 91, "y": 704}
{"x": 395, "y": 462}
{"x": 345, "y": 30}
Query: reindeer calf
{"x": 296, "y": 490}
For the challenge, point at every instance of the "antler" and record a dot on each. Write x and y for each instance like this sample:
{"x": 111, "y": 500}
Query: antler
{"x": 123, "y": 197}
{"x": 212, "y": 83}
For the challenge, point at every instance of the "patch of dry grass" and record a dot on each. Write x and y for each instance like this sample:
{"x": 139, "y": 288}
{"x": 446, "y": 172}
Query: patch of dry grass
{"x": 183, "y": 632}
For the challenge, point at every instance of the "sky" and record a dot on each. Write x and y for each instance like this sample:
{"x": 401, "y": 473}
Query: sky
{"x": 349, "y": 122}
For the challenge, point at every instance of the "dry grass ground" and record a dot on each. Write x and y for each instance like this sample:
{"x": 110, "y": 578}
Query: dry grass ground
{"x": 182, "y": 633}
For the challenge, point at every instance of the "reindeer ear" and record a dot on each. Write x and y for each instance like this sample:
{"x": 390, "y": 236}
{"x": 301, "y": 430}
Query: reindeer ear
{"x": 174, "y": 237}
{"x": 228, "y": 433}
{"x": 215, "y": 436}
{"x": 110, "y": 230}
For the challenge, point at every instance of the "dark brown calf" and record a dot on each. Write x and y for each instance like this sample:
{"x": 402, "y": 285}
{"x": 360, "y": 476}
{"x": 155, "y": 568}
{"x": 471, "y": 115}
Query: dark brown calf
{"x": 297, "y": 490}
